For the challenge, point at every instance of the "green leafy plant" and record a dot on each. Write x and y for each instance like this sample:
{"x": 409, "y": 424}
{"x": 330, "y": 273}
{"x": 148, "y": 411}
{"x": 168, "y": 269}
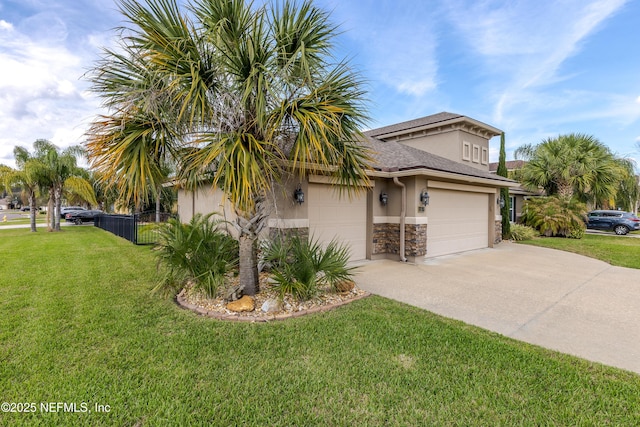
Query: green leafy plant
{"x": 200, "y": 251}
{"x": 520, "y": 232}
{"x": 302, "y": 267}
{"x": 555, "y": 216}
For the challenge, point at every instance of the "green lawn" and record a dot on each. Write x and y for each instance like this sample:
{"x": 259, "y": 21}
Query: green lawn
{"x": 78, "y": 325}
{"x": 623, "y": 251}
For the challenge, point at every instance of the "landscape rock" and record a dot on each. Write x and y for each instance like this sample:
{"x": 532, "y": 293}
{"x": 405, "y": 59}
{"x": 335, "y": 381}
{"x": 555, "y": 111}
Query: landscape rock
{"x": 246, "y": 303}
{"x": 345, "y": 286}
{"x": 272, "y": 305}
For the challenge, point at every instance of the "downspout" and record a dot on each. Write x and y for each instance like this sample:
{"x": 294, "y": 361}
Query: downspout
{"x": 403, "y": 214}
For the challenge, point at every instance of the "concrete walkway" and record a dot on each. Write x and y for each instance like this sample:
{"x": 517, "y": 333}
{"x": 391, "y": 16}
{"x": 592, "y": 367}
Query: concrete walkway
{"x": 555, "y": 299}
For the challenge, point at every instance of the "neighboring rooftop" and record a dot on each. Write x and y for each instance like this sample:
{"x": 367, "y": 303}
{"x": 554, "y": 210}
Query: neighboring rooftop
{"x": 510, "y": 164}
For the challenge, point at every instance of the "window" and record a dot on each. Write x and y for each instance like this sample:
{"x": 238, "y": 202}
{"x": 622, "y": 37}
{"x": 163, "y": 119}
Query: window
{"x": 512, "y": 208}
{"x": 476, "y": 153}
{"x": 485, "y": 156}
{"x": 466, "y": 151}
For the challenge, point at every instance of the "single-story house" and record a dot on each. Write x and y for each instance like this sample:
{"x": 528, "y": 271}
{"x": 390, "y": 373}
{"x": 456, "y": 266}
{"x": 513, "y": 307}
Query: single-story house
{"x": 430, "y": 194}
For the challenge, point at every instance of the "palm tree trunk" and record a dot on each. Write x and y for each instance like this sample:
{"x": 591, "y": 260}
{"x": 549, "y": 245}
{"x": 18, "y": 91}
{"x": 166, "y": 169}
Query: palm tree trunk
{"x": 50, "y": 214}
{"x": 32, "y": 210}
{"x": 249, "y": 282}
{"x": 565, "y": 190}
{"x": 249, "y": 229}
{"x": 58, "y": 203}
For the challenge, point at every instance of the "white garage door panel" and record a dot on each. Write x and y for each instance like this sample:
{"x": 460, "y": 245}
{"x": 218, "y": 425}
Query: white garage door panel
{"x": 331, "y": 216}
{"x": 458, "y": 222}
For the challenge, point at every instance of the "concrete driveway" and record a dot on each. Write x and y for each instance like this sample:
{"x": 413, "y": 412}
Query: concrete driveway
{"x": 555, "y": 299}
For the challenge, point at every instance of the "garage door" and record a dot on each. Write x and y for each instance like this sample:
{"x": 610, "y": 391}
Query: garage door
{"x": 331, "y": 216}
{"x": 458, "y": 221}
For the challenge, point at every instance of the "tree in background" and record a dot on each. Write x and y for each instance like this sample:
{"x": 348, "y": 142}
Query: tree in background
{"x": 573, "y": 165}
{"x": 504, "y": 192}
{"x": 58, "y": 173}
{"x": 243, "y": 94}
{"x": 28, "y": 175}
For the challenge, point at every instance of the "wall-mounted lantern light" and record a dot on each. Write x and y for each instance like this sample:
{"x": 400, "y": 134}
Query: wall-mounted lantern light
{"x": 384, "y": 198}
{"x": 298, "y": 195}
{"x": 500, "y": 201}
{"x": 424, "y": 197}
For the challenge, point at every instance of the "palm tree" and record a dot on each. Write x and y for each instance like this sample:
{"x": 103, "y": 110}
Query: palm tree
{"x": 59, "y": 173}
{"x": 572, "y": 164}
{"x": 28, "y": 175}
{"x": 240, "y": 93}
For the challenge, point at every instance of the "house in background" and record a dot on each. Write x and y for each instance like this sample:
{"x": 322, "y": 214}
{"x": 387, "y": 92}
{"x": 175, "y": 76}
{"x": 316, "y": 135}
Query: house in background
{"x": 430, "y": 193}
{"x": 517, "y": 195}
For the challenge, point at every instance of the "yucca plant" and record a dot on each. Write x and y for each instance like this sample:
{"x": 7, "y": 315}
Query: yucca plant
{"x": 200, "y": 251}
{"x": 302, "y": 267}
{"x": 555, "y": 216}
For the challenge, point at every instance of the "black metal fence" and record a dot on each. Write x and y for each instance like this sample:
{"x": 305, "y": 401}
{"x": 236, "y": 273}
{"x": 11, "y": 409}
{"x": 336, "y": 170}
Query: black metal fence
{"x": 139, "y": 228}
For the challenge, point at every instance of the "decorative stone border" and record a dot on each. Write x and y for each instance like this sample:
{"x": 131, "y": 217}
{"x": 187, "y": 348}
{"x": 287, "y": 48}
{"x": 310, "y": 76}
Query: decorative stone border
{"x": 266, "y": 318}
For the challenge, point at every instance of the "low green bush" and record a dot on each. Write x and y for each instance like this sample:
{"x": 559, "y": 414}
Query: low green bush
{"x": 554, "y": 216}
{"x": 520, "y": 232}
{"x": 200, "y": 251}
{"x": 301, "y": 267}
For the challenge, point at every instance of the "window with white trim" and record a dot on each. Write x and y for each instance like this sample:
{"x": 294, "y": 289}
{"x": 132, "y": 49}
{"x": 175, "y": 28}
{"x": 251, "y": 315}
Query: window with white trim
{"x": 466, "y": 151}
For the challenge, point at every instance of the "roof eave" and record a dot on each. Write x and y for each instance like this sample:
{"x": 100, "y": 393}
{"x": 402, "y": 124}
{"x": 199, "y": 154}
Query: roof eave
{"x": 468, "y": 179}
{"x": 461, "y": 119}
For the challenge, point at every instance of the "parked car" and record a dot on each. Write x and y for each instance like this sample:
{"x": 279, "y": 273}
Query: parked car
{"x": 66, "y": 209}
{"x": 79, "y": 217}
{"x": 618, "y": 221}
{"x": 25, "y": 208}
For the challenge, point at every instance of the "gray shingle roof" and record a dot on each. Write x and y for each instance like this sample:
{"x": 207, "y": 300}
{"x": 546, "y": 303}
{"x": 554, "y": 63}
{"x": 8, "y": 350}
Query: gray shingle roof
{"x": 392, "y": 156}
{"x": 424, "y": 121}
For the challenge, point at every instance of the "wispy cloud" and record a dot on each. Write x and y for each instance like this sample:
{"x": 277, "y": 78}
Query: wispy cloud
{"x": 397, "y": 44}
{"x": 528, "y": 41}
{"x": 42, "y": 93}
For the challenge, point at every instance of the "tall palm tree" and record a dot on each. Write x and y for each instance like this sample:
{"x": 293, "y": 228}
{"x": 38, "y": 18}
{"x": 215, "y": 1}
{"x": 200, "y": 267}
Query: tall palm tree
{"x": 572, "y": 164}
{"x": 241, "y": 93}
{"x": 29, "y": 176}
{"x": 59, "y": 172}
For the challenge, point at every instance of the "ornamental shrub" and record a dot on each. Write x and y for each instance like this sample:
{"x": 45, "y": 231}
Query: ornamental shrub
{"x": 302, "y": 267}
{"x": 521, "y": 232}
{"x": 201, "y": 251}
{"x": 555, "y": 216}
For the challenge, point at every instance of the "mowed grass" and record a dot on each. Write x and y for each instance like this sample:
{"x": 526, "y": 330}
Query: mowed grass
{"x": 79, "y": 325}
{"x": 622, "y": 251}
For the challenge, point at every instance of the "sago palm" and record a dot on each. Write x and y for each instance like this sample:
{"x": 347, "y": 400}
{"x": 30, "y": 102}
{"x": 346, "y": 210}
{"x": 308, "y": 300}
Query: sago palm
{"x": 249, "y": 93}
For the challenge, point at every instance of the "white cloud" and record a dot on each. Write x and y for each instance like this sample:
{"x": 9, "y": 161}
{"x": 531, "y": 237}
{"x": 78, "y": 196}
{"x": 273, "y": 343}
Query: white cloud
{"x": 527, "y": 41}
{"x": 5, "y": 26}
{"x": 40, "y": 91}
{"x": 398, "y": 43}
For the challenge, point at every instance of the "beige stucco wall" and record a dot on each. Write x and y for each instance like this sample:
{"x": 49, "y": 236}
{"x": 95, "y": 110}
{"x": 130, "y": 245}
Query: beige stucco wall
{"x": 451, "y": 145}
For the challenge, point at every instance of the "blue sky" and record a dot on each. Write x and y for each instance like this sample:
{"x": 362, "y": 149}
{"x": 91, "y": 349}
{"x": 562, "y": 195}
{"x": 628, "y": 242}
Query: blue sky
{"x": 533, "y": 68}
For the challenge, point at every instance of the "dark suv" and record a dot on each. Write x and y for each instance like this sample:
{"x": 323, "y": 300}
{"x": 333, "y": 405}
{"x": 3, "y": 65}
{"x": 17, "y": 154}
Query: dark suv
{"x": 619, "y": 221}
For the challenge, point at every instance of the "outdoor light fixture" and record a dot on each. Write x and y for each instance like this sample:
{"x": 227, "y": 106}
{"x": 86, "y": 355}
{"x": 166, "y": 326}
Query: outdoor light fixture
{"x": 298, "y": 195}
{"x": 500, "y": 201}
{"x": 384, "y": 198}
{"x": 424, "y": 198}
